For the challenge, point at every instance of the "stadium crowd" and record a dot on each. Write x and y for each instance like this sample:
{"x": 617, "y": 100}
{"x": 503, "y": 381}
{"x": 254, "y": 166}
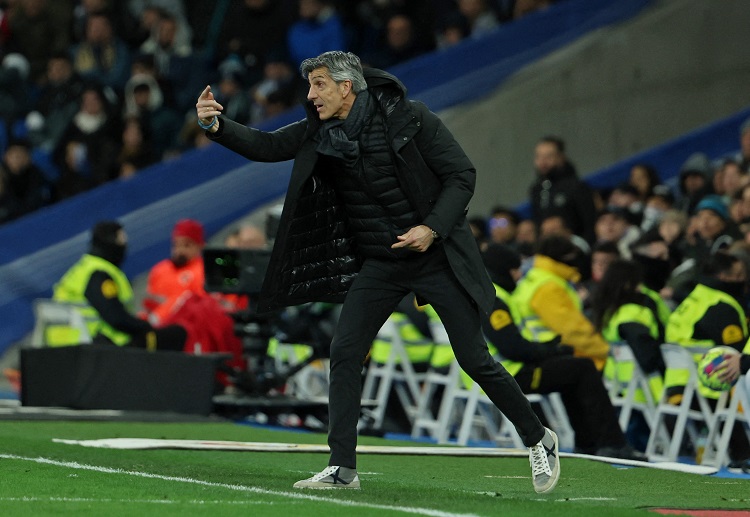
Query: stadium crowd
{"x": 95, "y": 90}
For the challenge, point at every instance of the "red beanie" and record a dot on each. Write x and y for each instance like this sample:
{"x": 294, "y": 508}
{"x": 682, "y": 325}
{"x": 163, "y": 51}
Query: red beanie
{"x": 189, "y": 228}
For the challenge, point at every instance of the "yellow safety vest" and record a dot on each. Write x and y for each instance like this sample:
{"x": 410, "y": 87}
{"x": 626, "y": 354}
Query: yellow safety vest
{"x": 418, "y": 347}
{"x": 532, "y": 327}
{"x": 71, "y": 288}
{"x": 623, "y": 371}
{"x": 681, "y": 327}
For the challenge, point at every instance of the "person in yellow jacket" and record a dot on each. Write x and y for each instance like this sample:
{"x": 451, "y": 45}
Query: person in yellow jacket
{"x": 550, "y": 367}
{"x": 549, "y": 306}
{"x": 104, "y": 296}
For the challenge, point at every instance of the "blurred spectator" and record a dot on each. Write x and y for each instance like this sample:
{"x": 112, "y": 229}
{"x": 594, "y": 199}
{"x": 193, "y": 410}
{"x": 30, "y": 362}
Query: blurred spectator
{"x": 144, "y": 99}
{"x": 135, "y": 148}
{"x": 102, "y": 56}
{"x": 644, "y": 178}
{"x": 149, "y": 12}
{"x": 233, "y": 96}
{"x": 658, "y": 202}
{"x": 453, "y": 29}
{"x": 526, "y": 237}
{"x": 626, "y": 196}
{"x": 710, "y": 230}
{"x": 523, "y": 7}
{"x": 618, "y": 225}
{"x": 558, "y": 190}
{"x": 556, "y": 225}
{"x": 88, "y": 146}
{"x": 14, "y": 88}
{"x": 743, "y": 157}
{"x": 502, "y": 225}
{"x": 251, "y": 29}
{"x": 280, "y": 88}
{"x": 733, "y": 178}
{"x": 125, "y": 24}
{"x": 694, "y": 182}
{"x": 602, "y": 255}
{"x": 58, "y": 101}
{"x": 173, "y": 60}
{"x": 480, "y": 17}
{"x": 39, "y": 29}
{"x": 478, "y": 227}
{"x": 400, "y": 44}
{"x": 250, "y": 237}
{"x": 23, "y": 187}
{"x": 318, "y": 29}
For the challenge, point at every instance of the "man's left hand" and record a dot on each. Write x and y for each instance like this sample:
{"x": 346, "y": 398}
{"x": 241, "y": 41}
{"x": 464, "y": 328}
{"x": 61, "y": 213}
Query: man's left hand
{"x": 417, "y": 239}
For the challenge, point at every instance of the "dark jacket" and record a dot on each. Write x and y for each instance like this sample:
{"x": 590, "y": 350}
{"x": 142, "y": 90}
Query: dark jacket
{"x": 314, "y": 257}
{"x": 562, "y": 193}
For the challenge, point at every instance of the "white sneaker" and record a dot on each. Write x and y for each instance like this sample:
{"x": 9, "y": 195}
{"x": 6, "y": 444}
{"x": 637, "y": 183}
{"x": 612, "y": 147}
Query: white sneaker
{"x": 331, "y": 477}
{"x": 545, "y": 463}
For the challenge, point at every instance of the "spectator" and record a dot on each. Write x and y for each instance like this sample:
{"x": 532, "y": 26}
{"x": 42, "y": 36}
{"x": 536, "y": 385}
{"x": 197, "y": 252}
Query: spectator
{"x": 617, "y": 225}
{"x": 23, "y": 187}
{"x": 694, "y": 182}
{"x": 711, "y": 229}
{"x": 733, "y": 178}
{"x": 88, "y": 147}
{"x": 15, "y": 101}
{"x": 658, "y": 202}
{"x": 555, "y": 225}
{"x": 280, "y": 89}
{"x": 502, "y": 225}
{"x": 550, "y": 367}
{"x": 39, "y": 29}
{"x": 602, "y": 255}
{"x": 479, "y": 16}
{"x": 251, "y": 29}
{"x": 478, "y": 228}
{"x": 644, "y": 178}
{"x": 401, "y": 43}
{"x": 452, "y": 30}
{"x": 99, "y": 286}
{"x": 144, "y": 99}
{"x": 318, "y": 29}
{"x": 558, "y": 191}
{"x": 231, "y": 93}
{"x": 743, "y": 157}
{"x": 102, "y": 56}
{"x": 173, "y": 60}
{"x": 549, "y": 307}
{"x": 626, "y": 196}
{"x": 58, "y": 101}
{"x": 135, "y": 149}
{"x": 523, "y": 7}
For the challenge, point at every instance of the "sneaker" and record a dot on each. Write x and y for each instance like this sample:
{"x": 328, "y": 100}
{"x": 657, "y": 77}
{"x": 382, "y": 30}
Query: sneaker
{"x": 545, "y": 463}
{"x": 331, "y": 477}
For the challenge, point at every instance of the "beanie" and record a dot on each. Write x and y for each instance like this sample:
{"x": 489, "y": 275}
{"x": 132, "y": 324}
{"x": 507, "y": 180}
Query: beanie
{"x": 714, "y": 203}
{"x": 189, "y": 228}
{"x": 499, "y": 260}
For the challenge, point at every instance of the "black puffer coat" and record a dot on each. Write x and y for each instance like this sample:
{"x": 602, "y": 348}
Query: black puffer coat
{"x": 313, "y": 257}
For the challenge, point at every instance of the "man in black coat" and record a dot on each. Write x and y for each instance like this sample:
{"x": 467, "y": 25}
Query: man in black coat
{"x": 376, "y": 208}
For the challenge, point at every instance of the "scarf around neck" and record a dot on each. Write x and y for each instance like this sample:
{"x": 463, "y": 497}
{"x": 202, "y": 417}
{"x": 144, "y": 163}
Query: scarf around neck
{"x": 339, "y": 138}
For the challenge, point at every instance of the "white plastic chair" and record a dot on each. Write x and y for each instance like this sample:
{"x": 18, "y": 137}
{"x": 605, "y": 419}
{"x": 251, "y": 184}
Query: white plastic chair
{"x": 49, "y": 313}
{"x": 731, "y": 409}
{"x": 623, "y": 392}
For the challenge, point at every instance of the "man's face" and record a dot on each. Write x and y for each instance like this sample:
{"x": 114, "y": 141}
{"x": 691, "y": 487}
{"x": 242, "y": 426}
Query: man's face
{"x": 547, "y": 157}
{"x": 328, "y": 96}
{"x": 610, "y": 227}
{"x": 737, "y": 273}
{"x": 708, "y": 224}
{"x": 184, "y": 250}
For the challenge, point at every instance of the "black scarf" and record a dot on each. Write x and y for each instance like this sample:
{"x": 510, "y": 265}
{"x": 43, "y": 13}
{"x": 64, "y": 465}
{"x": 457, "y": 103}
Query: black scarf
{"x": 339, "y": 138}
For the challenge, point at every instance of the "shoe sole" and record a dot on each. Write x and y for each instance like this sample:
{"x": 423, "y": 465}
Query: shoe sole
{"x": 556, "y": 478}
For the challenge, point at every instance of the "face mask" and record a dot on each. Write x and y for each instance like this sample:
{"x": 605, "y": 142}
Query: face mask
{"x": 655, "y": 271}
{"x": 179, "y": 261}
{"x": 651, "y": 216}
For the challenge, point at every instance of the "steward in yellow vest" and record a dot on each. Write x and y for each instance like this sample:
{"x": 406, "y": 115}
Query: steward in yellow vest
{"x": 623, "y": 312}
{"x": 710, "y": 316}
{"x": 550, "y": 367}
{"x": 104, "y": 296}
{"x": 548, "y": 305}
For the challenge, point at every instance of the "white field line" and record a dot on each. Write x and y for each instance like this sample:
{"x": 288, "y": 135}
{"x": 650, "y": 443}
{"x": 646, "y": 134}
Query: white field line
{"x": 291, "y": 495}
{"x": 131, "y": 501}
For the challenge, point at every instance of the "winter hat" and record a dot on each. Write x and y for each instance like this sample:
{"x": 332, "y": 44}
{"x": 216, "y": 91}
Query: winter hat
{"x": 499, "y": 259}
{"x": 189, "y": 228}
{"x": 697, "y": 163}
{"x": 664, "y": 192}
{"x": 745, "y": 126}
{"x": 714, "y": 203}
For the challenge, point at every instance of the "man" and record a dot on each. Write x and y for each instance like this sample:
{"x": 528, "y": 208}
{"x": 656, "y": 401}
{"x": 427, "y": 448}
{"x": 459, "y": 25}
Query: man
{"x": 375, "y": 209}
{"x": 558, "y": 190}
{"x": 182, "y": 273}
{"x": 105, "y": 296}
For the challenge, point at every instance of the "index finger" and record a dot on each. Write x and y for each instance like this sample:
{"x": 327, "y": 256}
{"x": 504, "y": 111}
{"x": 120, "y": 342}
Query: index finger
{"x": 205, "y": 92}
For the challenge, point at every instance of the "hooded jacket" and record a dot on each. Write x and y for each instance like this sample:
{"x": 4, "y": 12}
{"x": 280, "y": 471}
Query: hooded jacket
{"x": 314, "y": 257}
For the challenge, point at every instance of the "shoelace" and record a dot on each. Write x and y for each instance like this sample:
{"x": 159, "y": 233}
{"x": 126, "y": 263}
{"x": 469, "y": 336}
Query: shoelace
{"x": 328, "y": 471}
{"x": 539, "y": 463}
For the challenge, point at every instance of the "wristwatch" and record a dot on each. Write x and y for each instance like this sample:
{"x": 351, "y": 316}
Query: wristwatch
{"x": 435, "y": 235}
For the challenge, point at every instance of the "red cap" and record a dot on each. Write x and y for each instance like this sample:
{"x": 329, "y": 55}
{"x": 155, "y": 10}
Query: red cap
{"x": 189, "y": 228}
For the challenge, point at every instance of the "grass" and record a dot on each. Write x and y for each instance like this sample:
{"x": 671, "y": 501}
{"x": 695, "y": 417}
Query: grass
{"x": 41, "y": 477}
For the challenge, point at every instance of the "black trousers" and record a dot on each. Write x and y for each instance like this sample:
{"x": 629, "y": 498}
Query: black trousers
{"x": 589, "y": 408}
{"x": 374, "y": 294}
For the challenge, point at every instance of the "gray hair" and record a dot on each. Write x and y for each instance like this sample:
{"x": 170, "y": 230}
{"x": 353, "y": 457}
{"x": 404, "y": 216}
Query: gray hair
{"x": 341, "y": 66}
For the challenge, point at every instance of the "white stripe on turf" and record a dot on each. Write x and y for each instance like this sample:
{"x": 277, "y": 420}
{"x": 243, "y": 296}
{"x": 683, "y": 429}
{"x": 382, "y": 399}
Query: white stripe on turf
{"x": 132, "y": 501}
{"x": 293, "y": 495}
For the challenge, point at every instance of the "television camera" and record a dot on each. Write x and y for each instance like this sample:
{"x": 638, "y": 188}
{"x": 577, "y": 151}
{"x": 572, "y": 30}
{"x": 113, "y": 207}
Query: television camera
{"x": 242, "y": 271}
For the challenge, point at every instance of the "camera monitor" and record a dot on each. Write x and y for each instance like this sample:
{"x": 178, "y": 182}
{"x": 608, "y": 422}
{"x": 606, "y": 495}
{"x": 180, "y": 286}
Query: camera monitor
{"x": 235, "y": 271}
